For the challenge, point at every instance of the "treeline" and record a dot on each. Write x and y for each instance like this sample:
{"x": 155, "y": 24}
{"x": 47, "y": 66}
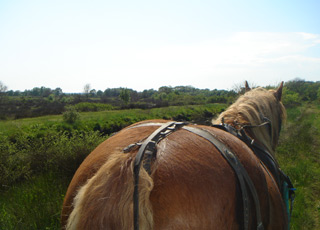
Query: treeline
{"x": 41, "y": 101}
{"x": 298, "y": 91}
{"x": 45, "y": 101}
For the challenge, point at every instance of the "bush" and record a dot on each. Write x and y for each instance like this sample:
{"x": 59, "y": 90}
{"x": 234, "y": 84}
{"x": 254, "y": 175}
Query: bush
{"x": 71, "y": 115}
{"x": 92, "y": 107}
{"x": 34, "y": 151}
{"x": 290, "y": 98}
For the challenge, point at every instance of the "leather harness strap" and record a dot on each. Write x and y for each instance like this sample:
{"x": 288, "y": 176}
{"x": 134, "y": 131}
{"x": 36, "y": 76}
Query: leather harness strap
{"x": 241, "y": 173}
{"x": 149, "y": 149}
{"x": 147, "y": 152}
{"x": 266, "y": 159}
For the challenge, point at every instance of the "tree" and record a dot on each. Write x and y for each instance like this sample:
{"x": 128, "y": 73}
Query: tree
{"x": 165, "y": 89}
{"x": 241, "y": 88}
{"x": 57, "y": 92}
{"x": 125, "y": 95}
{"x": 99, "y": 93}
{"x": 3, "y": 90}
{"x": 86, "y": 89}
{"x": 93, "y": 93}
{"x": 45, "y": 92}
{"x": 290, "y": 98}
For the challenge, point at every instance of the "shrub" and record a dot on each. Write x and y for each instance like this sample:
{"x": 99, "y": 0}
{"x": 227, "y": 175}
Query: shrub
{"x": 34, "y": 151}
{"x": 71, "y": 115}
{"x": 92, "y": 107}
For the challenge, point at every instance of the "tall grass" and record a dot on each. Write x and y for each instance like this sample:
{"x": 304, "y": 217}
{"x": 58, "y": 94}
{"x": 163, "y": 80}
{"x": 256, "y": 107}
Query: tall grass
{"x": 299, "y": 155}
{"x": 35, "y": 204}
{"x": 41, "y": 149}
{"x": 39, "y": 156}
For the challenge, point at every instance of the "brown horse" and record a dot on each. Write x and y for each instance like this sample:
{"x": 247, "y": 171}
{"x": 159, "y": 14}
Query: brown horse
{"x": 190, "y": 184}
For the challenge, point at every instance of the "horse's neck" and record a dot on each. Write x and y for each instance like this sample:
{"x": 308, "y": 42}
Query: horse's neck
{"x": 257, "y": 135}
{"x": 262, "y": 139}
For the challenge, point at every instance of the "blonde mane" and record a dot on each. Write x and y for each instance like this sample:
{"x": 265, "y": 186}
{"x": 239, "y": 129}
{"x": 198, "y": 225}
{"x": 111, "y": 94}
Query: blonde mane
{"x": 253, "y": 108}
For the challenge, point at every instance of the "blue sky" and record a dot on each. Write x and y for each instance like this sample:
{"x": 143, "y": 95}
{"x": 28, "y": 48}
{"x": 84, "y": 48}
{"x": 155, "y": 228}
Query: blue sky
{"x": 148, "y": 44}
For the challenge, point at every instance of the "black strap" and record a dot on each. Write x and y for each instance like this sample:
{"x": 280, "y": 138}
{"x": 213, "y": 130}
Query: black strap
{"x": 240, "y": 172}
{"x": 266, "y": 158}
{"x": 149, "y": 149}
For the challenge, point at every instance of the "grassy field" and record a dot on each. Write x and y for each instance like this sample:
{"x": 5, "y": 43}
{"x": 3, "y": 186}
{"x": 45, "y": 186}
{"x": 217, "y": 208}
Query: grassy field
{"x": 299, "y": 156}
{"x": 88, "y": 120}
{"x": 39, "y": 156}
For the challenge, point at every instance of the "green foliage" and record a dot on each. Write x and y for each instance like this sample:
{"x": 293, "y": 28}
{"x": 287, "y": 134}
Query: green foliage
{"x": 290, "y": 98}
{"x": 21, "y": 107}
{"x": 34, "y": 145}
{"x": 298, "y": 154}
{"x": 33, "y": 205}
{"x": 38, "y": 157}
{"x": 125, "y": 95}
{"x": 43, "y": 149}
{"x": 92, "y": 107}
{"x": 71, "y": 115}
{"x": 306, "y": 90}
{"x": 43, "y": 101}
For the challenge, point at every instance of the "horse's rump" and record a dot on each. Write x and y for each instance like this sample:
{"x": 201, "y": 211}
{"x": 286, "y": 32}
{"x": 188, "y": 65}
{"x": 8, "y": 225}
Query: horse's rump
{"x": 192, "y": 181}
{"x": 190, "y": 184}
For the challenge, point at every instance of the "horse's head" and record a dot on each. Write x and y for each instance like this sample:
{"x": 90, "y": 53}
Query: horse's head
{"x": 260, "y": 113}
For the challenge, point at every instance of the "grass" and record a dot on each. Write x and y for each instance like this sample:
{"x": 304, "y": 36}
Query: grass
{"x": 33, "y": 205}
{"x": 34, "y": 201}
{"x": 38, "y": 157}
{"x": 88, "y": 120}
{"x": 298, "y": 154}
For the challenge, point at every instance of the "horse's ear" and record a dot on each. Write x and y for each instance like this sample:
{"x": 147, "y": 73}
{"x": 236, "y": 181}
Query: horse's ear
{"x": 278, "y": 93}
{"x": 247, "y": 87}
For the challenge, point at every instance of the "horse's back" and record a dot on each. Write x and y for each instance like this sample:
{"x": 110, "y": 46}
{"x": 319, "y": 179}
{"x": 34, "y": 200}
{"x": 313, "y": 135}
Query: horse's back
{"x": 194, "y": 186}
{"x": 98, "y": 158}
{"x": 194, "y": 182}
{"x": 190, "y": 191}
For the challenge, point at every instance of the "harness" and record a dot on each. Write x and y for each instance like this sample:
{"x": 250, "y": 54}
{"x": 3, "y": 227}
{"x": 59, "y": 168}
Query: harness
{"x": 147, "y": 154}
{"x": 267, "y": 160}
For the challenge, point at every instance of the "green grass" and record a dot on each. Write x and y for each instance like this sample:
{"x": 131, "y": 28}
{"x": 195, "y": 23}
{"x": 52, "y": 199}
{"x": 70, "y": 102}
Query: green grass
{"x": 38, "y": 157}
{"x": 46, "y": 151}
{"x": 299, "y": 155}
{"x": 33, "y": 205}
{"x": 88, "y": 120}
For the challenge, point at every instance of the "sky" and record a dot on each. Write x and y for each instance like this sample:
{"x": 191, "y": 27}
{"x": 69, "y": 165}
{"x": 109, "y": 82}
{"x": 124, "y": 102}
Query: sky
{"x": 148, "y": 44}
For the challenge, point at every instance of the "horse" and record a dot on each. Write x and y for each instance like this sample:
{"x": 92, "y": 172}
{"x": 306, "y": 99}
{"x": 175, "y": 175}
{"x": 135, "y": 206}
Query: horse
{"x": 188, "y": 181}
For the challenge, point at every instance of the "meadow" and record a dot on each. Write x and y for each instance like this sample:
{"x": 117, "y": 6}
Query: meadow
{"x": 38, "y": 157}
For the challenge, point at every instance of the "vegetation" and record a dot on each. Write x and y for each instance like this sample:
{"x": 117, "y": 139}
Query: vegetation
{"x": 38, "y": 156}
{"x": 71, "y": 115}
{"x": 35, "y": 145}
{"x": 298, "y": 154}
{"x": 45, "y": 101}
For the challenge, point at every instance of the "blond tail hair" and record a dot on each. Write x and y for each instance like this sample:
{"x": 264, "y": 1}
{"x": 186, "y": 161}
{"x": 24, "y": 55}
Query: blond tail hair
{"x": 106, "y": 200}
